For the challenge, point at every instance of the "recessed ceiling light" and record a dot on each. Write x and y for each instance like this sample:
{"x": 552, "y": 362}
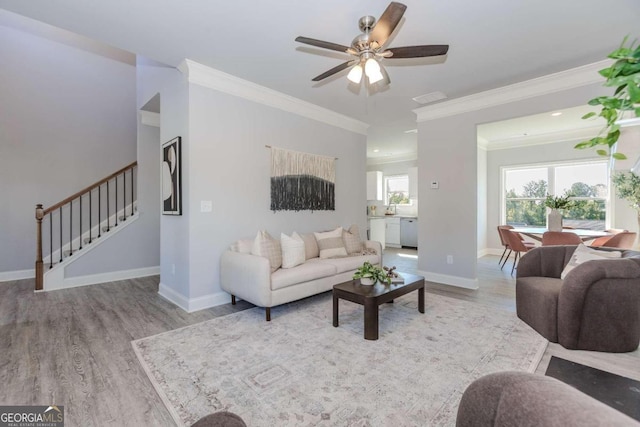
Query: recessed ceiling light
{"x": 411, "y": 131}
{"x": 376, "y": 151}
{"x": 556, "y": 114}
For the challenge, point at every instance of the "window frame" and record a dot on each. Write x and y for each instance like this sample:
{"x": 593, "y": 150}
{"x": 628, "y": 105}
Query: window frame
{"x": 550, "y": 166}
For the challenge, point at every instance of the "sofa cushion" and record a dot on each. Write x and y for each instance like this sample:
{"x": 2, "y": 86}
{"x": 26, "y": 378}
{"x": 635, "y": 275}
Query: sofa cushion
{"x": 292, "y": 250}
{"x": 331, "y": 244}
{"x": 584, "y": 254}
{"x": 310, "y": 245}
{"x": 347, "y": 263}
{"x": 286, "y": 277}
{"x": 351, "y": 239}
{"x": 266, "y": 246}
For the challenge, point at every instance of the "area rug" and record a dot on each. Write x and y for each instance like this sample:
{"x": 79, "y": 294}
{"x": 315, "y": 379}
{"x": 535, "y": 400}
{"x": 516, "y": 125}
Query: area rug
{"x": 300, "y": 370}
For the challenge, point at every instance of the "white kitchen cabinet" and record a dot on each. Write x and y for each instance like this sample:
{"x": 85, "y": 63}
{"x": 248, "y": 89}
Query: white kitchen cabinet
{"x": 392, "y": 234}
{"x": 377, "y": 230}
{"x": 413, "y": 182}
{"x": 374, "y": 185}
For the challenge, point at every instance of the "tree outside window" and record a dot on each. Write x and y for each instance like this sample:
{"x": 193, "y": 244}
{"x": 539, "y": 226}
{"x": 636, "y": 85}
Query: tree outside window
{"x": 526, "y": 188}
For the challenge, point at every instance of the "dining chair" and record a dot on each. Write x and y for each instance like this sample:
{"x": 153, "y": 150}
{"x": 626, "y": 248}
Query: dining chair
{"x": 515, "y": 244}
{"x": 505, "y": 243}
{"x": 560, "y": 238}
{"x": 601, "y": 241}
{"x": 623, "y": 240}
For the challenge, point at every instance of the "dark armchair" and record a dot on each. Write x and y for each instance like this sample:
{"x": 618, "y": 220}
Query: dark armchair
{"x": 596, "y": 306}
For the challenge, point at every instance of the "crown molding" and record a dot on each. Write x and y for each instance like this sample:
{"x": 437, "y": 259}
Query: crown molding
{"x": 214, "y": 79}
{"x": 150, "y": 119}
{"x": 563, "y": 80}
{"x": 392, "y": 159}
{"x": 541, "y": 139}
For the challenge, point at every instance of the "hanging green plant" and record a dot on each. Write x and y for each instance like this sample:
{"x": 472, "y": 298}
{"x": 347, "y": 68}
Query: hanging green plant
{"x": 627, "y": 186}
{"x": 624, "y": 76}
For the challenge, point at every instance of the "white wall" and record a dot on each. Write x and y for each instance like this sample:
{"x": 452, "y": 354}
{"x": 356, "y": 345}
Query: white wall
{"x": 68, "y": 119}
{"x": 447, "y": 152}
{"x": 482, "y": 201}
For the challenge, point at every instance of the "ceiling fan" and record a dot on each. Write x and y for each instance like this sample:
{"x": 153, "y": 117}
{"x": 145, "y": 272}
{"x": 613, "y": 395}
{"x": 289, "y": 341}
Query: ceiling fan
{"x": 368, "y": 47}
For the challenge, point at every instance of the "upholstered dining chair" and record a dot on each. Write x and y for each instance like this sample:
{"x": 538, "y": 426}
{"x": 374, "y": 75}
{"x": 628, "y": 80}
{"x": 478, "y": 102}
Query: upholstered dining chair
{"x": 515, "y": 244}
{"x": 623, "y": 240}
{"x": 505, "y": 243}
{"x": 600, "y": 241}
{"x": 560, "y": 238}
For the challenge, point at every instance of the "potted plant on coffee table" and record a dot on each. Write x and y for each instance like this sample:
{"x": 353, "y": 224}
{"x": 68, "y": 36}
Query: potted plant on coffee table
{"x": 369, "y": 274}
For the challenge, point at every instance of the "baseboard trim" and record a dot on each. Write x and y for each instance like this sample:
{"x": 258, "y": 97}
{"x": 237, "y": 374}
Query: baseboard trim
{"x": 194, "y": 304}
{"x": 460, "y": 282}
{"x": 6, "y": 276}
{"x": 112, "y": 276}
{"x": 490, "y": 251}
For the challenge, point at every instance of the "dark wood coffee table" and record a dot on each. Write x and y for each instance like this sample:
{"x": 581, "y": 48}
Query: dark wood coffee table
{"x": 372, "y": 296}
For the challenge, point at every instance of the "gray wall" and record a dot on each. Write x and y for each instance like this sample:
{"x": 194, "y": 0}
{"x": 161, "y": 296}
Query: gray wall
{"x": 229, "y": 164}
{"x": 67, "y": 119}
{"x": 482, "y": 199}
{"x": 447, "y": 152}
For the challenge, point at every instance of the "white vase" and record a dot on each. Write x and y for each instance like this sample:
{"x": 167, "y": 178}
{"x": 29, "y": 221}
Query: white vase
{"x": 367, "y": 281}
{"x": 554, "y": 220}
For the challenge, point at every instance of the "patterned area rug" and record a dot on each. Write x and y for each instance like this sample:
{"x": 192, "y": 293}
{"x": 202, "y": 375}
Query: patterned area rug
{"x": 300, "y": 370}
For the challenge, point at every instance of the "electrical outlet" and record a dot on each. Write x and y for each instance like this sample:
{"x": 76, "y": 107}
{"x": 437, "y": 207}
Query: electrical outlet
{"x": 206, "y": 206}
{"x": 449, "y": 259}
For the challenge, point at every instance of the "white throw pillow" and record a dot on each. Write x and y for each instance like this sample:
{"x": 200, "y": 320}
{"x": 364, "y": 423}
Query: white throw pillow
{"x": 331, "y": 244}
{"x": 584, "y": 254}
{"x": 266, "y": 246}
{"x": 292, "y": 250}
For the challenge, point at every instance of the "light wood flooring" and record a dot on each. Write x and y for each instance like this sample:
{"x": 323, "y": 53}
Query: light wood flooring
{"x": 73, "y": 347}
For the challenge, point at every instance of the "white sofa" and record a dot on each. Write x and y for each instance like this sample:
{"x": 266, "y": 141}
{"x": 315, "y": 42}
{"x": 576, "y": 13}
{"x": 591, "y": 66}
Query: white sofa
{"x": 249, "y": 277}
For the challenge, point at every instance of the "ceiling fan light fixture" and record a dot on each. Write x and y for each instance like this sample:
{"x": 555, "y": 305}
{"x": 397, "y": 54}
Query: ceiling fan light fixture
{"x": 371, "y": 67}
{"x": 355, "y": 75}
{"x": 375, "y": 77}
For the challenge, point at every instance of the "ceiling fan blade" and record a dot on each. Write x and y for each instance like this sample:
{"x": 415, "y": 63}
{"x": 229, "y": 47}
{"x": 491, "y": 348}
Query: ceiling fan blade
{"x": 418, "y": 51}
{"x": 323, "y": 44}
{"x": 387, "y": 22}
{"x": 333, "y": 71}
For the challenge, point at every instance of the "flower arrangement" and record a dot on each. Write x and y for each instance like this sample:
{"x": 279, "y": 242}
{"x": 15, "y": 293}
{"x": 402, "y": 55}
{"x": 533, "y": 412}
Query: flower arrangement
{"x": 372, "y": 272}
{"x": 559, "y": 202}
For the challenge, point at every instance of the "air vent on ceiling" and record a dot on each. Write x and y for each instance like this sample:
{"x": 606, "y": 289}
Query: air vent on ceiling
{"x": 429, "y": 97}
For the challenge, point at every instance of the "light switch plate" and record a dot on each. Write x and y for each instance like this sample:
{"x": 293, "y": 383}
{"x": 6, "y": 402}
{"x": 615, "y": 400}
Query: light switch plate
{"x": 435, "y": 185}
{"x": 206, "y": 206}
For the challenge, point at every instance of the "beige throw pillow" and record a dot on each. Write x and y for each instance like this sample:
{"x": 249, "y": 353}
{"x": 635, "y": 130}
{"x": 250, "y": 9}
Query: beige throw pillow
{"x": 292, "y": 250}
{"x": 310, "y": 246}
{"x": 584, "y": 254}
{"x": 266, "y": 246}
{"x": 330, "y": 243}
{"x": 351, "y": 239}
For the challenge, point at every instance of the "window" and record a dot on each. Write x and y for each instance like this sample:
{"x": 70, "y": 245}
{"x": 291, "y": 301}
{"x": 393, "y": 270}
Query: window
{"x": 525, "y": 188}
{"x": 396, "y": 190}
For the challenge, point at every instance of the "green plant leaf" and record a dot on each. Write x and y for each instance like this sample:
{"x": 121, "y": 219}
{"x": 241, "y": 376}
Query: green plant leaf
{"x": 619, "y": 156}
{"x": 584, "y": 144}
{"x": 602, "y": 152}
{"x": 588, "y": 115}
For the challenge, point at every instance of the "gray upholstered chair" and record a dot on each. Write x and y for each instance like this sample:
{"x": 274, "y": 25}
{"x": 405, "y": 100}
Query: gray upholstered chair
{"x": 596, "y": 306}
{"x": 522, "y": 399}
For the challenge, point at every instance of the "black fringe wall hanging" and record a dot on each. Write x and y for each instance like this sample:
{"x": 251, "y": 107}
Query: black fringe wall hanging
{"x": 302, "y": 181}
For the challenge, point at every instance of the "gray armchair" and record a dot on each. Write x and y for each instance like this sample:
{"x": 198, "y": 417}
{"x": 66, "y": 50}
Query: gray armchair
{"x": 507, "y": 399}
{"x": 596, "y": 306}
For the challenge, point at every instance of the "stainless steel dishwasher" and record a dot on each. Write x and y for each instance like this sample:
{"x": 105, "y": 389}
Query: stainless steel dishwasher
{"x": 409, "y": 232}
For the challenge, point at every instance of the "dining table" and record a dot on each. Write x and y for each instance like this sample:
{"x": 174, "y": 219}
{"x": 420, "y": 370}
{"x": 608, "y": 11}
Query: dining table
{"x": 537, "y": 232}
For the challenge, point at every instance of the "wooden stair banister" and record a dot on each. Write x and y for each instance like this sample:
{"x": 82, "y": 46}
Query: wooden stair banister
{"x": 41, "y": 213}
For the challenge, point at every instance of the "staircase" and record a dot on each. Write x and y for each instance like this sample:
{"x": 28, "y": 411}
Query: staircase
{"x": 70, "y": 228}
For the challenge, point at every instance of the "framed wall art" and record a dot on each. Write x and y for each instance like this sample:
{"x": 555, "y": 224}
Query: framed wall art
{"x": 172, "y": 177}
